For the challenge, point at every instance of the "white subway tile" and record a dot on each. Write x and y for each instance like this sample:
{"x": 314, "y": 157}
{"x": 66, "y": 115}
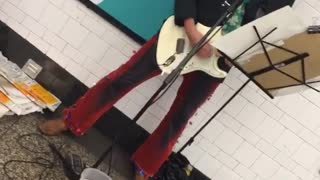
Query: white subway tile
{"x": 267, "y": 148}
{"x": 71, "y": 8}
{"x": 247, "y": 154}
{"x": 252, "y": 95}
{"x": 74, "y": 33}
{"x": 13, "y": 12}
{"x": 209, "y": 107}
{"x": 312, "y": 96}
{"x": 92, "y": 66}
{"x": 228, "y": 141}
{"x": 248, "y": 135}
{"x": 113, "y": 59}
{"x": 219, "y": 93}
{"x": 38, "y": 42}
{"x": 155, "y": 109}
{"x": 93, "y": 25}
{"x": 265, "y": 167}
{"x": 285, "y": 160}
{"x": 15, "y": 2}
{"x": 3, "y": 17}
{"x": 211, "y": 170}
{"x": 194, "y": 153}
{"x": 310, "y": 138}
{"x": 229, "y": 122}
{"x": 233, "y": 83}
{"x": 306, "y": 156}
{"x": 284, "y": 174}
{"x": 131, "y": 109}
{"x": 288, "y": 142}
{"x": 34, "y": 26}
{"x": 306, "y": 12}
{"x": 302, "y": 110}
{"x": 94, "y": 47}
{"x": 302, "y": 173}
{"x": 58, "y": 3}
{"x": 244, "y": 172}
{"x": 291, "y": 124}
{"x": 33, "y": 8}
{"x": 236, "y": 106}
{"x": 58, "y": 57}
{"x": 209, "y": 147}
{"x": 212, "y": 131}
{"x": 112, "y": 38}
{"x": 18, "y": 28}
{"x": 76, "y": 55}
{"x": 78, "y": 71}
{"x": 271, "y": 110}
{"x": 128, "y": 50}
{"x": 149, "y": 122}
{"x": 227, "y": 160}
{"x": 53, "y": 19}
{"x": 54, "y": 40}
{"x": 270, "y": 130}
{"x": 226, "y": 173}
{"x": 91, "y": 81}
{"x": 121, "y": 104}
{"x": 251, "y": 116}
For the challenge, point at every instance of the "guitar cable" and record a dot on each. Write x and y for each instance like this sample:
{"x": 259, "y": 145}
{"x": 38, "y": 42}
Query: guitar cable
{"x": 45, "y": 163}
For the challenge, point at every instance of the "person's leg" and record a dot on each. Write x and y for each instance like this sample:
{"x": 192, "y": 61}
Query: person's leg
{"x": 195, "y": 89}
{"x": 100, "y": 98}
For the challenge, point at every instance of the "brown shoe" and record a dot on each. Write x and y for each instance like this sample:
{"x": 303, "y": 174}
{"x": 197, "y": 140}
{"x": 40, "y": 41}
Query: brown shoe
{"x": 52, "y": 127}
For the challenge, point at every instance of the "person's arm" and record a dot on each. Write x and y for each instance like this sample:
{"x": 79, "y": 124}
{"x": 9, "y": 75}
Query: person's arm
{"x": 195, "y": 36}
{"x": 185, "y": 9}
{"x": 185, "y": 15}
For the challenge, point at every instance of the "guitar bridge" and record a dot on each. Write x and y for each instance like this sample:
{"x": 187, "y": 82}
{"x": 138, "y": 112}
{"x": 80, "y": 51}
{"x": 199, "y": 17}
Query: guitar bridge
{"x": 169, "y": 61}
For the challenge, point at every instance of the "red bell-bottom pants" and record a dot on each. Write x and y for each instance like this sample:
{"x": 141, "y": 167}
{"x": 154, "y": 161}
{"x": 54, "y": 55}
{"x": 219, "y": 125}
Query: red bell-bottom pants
{"x": 195, "y": 89}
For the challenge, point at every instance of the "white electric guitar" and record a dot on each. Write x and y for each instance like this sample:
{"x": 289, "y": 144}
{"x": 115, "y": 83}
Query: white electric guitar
{"x": 167, "y": 45}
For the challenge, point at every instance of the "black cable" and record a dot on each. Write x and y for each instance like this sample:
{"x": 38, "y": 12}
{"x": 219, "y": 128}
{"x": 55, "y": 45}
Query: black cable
{"x": 43, "y": 162}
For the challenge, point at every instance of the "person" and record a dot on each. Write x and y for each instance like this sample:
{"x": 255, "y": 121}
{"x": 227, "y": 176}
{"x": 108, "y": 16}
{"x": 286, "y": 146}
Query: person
{"x": 193, "y": 92}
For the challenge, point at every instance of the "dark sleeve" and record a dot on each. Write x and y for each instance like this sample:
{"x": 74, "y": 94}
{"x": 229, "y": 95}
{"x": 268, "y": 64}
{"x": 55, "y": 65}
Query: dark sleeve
{"x": 184, "y": 9}
{"x": 266, "y": 6}
{"x": 272, "y": 5}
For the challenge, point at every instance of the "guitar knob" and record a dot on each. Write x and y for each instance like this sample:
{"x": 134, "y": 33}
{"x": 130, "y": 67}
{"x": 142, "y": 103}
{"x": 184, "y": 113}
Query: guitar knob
{"x": 226, "y": 4}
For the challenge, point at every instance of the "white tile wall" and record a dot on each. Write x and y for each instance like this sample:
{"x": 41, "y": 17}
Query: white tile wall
{"x": 255, "y": 138}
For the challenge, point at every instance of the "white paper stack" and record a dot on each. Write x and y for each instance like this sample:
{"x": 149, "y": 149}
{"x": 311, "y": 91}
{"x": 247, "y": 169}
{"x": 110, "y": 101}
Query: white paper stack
{"x": 21, "y": 95}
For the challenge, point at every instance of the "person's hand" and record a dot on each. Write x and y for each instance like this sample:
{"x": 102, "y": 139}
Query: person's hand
{"x": 195, "y": 36}
{"x": 207, "y": 50}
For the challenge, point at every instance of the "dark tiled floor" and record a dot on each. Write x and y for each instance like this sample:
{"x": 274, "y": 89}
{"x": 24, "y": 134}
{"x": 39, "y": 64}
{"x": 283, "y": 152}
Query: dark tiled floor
{"x": 14, "y": 127}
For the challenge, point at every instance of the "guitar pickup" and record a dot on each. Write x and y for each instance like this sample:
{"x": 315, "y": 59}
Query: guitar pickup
{"x": 180, "y": 45}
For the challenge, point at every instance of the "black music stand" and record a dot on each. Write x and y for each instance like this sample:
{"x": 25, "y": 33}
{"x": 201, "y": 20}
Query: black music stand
{"x": 251, "y": 76}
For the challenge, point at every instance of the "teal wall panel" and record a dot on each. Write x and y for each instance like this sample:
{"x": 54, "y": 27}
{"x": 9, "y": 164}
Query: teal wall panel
{"x": 144, "y": 17}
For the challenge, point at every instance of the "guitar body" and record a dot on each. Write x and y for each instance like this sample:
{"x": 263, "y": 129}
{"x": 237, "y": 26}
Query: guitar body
{"x": 167, "y": 44}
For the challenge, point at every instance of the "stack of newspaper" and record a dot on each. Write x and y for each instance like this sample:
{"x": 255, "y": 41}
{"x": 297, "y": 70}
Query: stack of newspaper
{"x": 21, "y": 95}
